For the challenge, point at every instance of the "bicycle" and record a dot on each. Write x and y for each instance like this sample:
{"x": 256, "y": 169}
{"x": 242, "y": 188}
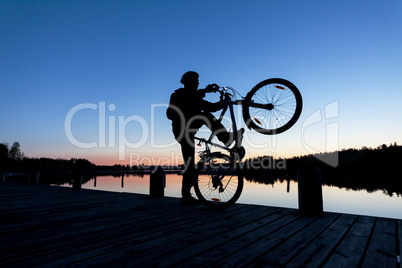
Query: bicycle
{"x": 271, "y": 107}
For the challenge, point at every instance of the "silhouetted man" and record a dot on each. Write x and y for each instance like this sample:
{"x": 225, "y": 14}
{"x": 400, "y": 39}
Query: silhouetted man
{"x": 188, "y": 112}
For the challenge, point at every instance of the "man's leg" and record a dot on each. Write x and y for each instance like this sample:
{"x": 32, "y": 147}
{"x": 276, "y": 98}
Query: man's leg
{"x": 219, "y": 130}
{"x": 214, "y": 125}
{"x": 188, "y": 152}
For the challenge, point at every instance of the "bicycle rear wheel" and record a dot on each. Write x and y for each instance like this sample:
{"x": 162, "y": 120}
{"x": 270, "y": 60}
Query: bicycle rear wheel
{"x": 219, "y": 184}
{"x": 272, "y": 106}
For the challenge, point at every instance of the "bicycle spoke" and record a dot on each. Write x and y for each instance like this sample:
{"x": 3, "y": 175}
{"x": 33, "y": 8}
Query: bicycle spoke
{"x": 218, "y": 186}
{"x": 284, "y": 106}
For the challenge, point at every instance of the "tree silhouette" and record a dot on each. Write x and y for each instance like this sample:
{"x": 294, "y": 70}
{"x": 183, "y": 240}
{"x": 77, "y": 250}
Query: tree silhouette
{"x": 15, "y": 152}
{"x": 3, "y": 151}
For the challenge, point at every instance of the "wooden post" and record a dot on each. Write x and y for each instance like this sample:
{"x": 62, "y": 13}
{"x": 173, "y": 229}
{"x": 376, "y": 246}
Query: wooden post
{"x": 36, "y": 178}
{"x": 310, "y": 192}
{"x": 157, "y": 183}
{"x": 77, "y": 181}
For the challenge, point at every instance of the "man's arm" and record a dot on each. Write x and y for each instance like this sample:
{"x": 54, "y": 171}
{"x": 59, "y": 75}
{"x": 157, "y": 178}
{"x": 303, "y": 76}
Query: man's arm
{"x": 210, "y": 88}
{"x": 212, "y": 107}
{"x": 206, "y": 105}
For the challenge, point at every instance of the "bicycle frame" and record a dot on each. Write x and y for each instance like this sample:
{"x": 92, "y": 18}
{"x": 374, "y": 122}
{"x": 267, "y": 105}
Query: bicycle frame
{"x": 229, "y": 104}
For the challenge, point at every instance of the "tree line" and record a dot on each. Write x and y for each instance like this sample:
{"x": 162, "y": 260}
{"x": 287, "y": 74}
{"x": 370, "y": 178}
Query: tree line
{"x": 11, "y": 153}
{"x": 371, "y": 169}
{"x": 366, "y": 168}
{"x": 13, "y": 160}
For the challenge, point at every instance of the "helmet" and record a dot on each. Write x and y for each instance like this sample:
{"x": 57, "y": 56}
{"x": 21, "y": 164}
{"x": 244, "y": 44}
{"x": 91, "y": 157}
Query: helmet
{"x": 188, "y": 75}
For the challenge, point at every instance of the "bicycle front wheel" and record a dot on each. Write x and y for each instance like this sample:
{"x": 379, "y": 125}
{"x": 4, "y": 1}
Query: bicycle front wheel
{"x": 219, "y": 184}
{"x": 272, "y": 106}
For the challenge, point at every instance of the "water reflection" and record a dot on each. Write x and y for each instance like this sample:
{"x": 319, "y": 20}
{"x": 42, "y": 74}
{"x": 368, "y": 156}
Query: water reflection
{"x": 281, "y": 192}
{"x": 125, "y": 182}
{"x": 387, "y": 182}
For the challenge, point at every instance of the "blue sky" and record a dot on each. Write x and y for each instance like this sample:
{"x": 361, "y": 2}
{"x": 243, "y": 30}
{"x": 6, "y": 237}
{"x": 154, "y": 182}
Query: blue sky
{"x": 56, "y": 55}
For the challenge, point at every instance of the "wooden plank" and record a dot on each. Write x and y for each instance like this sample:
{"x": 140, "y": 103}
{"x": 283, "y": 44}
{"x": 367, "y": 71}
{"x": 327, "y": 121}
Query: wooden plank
{"x": 108, "y": 243}
{"x": 288, "y": 249}
{"x": 316, "y": 252}
{"x": 93, "y": 230}
{"x": 382, "y": 249}
{"x": 50, "y": 223}
{"x": 55, "y": 226}
{"x": 56, "y": 197}
{"x": 219, "y": 243}
{"x": 253, "y": 244}
{"x": 93, "y": 226}
{"x": 75, "y": 213}
{"x": 51, "y": 238}
{"x": 141, "y": 251}
{"x": 53, "y": 211}
{"x": 350, "y": 251}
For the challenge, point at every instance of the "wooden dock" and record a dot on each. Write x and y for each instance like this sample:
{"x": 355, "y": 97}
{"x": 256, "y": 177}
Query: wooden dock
{"x": 55, "y": 226}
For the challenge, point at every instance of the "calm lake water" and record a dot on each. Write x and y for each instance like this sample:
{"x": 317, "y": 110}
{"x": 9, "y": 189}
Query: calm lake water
{"x": 335, "y": 199}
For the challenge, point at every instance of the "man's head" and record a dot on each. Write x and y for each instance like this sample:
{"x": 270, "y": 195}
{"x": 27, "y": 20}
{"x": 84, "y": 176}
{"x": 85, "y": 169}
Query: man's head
{"x": 190, "y": 80}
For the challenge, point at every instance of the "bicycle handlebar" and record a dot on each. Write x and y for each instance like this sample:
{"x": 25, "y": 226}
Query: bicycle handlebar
{"x": 225, "y": 95}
